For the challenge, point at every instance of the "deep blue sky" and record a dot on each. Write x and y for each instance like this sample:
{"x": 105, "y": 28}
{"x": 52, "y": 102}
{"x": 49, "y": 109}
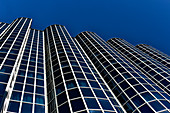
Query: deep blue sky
{"x": 137, "y": 21}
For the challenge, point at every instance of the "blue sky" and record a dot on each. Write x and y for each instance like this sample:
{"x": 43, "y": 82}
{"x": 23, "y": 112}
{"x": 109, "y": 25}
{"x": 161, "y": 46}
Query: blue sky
{"x": 136, "y": 21}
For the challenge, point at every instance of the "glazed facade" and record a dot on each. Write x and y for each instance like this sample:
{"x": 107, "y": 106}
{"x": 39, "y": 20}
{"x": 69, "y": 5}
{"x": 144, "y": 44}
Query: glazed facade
{"x": 22, "y": 68}
{"x": 51, "y": 72}
{"x": 153, "y": 69}
{"x": 155, "y": 54}
{"x": 73, "y": 83}
{"x": 131, "y": 87}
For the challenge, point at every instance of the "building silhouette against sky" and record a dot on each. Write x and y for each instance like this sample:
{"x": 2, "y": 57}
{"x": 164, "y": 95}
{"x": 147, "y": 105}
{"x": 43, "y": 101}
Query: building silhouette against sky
{"x": 51, "y": 72}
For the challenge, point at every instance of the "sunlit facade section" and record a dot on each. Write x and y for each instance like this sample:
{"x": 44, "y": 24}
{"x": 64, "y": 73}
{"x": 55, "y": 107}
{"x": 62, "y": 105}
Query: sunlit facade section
{"x": 11, "y": 46}
{"x": 29, "y": 90}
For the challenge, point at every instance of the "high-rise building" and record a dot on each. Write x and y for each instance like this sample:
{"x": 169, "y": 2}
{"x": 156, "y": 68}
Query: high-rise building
{"x": 3, "y": 27}
{"x": 22, "y": 68}
{"x": 51, "y": 72}
{"x": 72, "y": 78}
{"x": 153, "y": 69}
{"x": 132, "y": 88}
{"x": 156, "y": 54}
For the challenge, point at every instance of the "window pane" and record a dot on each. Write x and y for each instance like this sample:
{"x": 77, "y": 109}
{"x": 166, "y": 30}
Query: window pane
{"x": 77, "y": 105}
{"x": 13, "y": 106}
{"x": 92, "y": 103}
{"x": 28, "y": 97}
{"x": 39, "y": 99}
{"x": 39, "y": 109}
{"x": 26, "y": 108}
{"x": 16, "y": 95}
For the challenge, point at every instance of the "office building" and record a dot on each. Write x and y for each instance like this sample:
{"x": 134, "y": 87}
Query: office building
{"x": 153, "y": 69}
{"x": 3, "y": 27}
{"x": 132, "y": 87}
{"x": 72, "y": 78}
{"x": 155, "y": 54}
{"x": 51, "y": 72}
{"x": 22, "y": 68}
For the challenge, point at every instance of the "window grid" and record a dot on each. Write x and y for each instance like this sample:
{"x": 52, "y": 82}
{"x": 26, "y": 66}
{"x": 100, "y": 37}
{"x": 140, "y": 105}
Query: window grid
{"x": 160, "y": 57}
{"x": 86, "y": 77}
{"x": 146, "y": 66}
{"x": 87, "y": 42}
{"x": 37, "y": 97}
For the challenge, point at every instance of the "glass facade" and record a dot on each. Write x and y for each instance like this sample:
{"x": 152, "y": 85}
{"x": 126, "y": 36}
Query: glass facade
{"x": 29, "y": 89}
{"x": 3, "y": 27}
{"x": 131, "y": 87}
{"x": 154, "y": 53}
{"x": 73, "y": 83}
{"x": 51, "y": 72}
{"x": 10, "y": 48}
{"x": 153, "y": 69}
{"x": 22, "y": 68}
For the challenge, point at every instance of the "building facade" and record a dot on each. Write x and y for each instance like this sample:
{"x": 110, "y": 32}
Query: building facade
{"x": 130, "y": 85}
{"x": 153, "y": 69}
{"x": 51, "y": 72}
{"x": 155, "y": 54}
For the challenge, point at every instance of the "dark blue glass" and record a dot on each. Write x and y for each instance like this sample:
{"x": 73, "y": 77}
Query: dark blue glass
{"x": 6, "y": 69}
{"x": 18, "y": 86}
{"x": 77, "y": 105}
{"x": 2, "y": 88}
{"x": 40, "y": 90}
{"x": 16, "y": 95}
{"x": 74, "y": 93}
{"x": 157, "y": 95}
{"x": 28, "y": 97}
{"x": 146, "y": 109}
{"x": 4, "y": 77}
{"x": 140, "y": 88}
{"x": 9, "y": 62}
{"x": 30, "y": 81}
{"x": 90, "y": 76}
{"x": 71, "y": 84}
{"x": 130, "y": 92}
{"x": 137, "y": 101}
{"x": 20, "y": 79}
{"x": 22, "y": 73}
{"x": 99, "y": 93}
{"x": 13, "y": 106}
{"x": 87, "y": 92}
{"x": 40, "y": 82}
{"x": 30, "y": 74}
{"x": 29, "y": 88}
{"x": 79, "y": 75}
{"x": 41, "y": 76}
{"x": 167, "y": 104}
{"x": 41, "y": 70}
{"x": 156, "y": 105}
{"x": 61, "y": 98}
{"x": 105, "y": 104}
{"x": 94, "y": 84}
{"x": 95, "y": 111}
{"x": 147, "y": 96}
{"x": 39, "y": 109}
{"x": 92, "y": 103}
{"x": 26, "y": 108}
{"x": 83, "y": 83}
{"x": 39, "y": 99}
